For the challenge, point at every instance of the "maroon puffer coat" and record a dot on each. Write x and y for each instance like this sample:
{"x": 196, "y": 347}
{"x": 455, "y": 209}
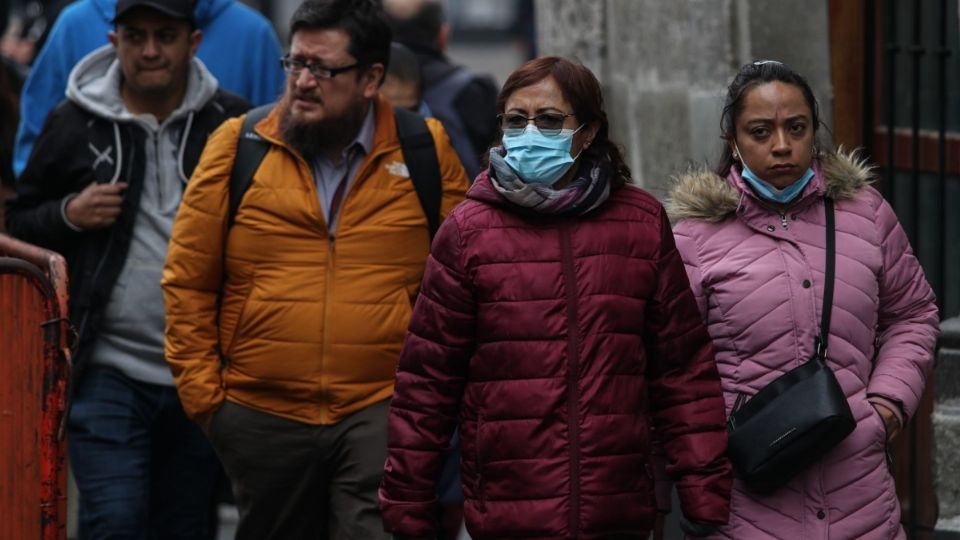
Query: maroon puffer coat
{"x": 558, "y": 343}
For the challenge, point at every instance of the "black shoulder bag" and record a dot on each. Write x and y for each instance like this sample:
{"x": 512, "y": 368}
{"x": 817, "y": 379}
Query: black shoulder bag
{"x": 793, "y": 421}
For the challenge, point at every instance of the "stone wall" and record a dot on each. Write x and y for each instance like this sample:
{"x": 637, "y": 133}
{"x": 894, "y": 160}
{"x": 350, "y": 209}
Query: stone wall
{"x": 665, "y": 66}
{"x": 946, "y": 421}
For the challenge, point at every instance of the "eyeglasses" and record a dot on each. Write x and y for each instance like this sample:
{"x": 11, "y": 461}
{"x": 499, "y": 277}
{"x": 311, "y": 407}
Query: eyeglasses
{"x": 549, "y": 123}
{"x": 294, "y": 66}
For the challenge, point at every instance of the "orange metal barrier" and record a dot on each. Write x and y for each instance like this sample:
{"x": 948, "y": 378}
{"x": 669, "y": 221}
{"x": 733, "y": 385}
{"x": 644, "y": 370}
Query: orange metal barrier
{"x": 34, "y": 372}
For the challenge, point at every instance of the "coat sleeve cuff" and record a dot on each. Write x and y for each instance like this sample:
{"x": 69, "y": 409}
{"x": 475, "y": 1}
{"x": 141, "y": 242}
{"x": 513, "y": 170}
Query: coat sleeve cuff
{"x": 415, "y": 519}
{"x": 890, "y": 404}
{"x": 706, "y": 503}
{"x": 63, "y": 212}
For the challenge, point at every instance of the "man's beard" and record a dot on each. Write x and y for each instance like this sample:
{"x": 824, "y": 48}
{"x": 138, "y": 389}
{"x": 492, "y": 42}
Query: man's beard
{"x": 312, "y": 137}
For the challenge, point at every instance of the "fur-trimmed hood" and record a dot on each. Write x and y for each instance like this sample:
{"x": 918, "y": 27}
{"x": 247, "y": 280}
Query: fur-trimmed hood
{"x": 702, "y": 194}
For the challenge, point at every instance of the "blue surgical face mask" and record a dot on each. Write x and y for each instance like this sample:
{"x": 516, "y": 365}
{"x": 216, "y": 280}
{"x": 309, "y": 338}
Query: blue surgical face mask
{"x": 768, "y": 191}
{"x": 538, "y": 158}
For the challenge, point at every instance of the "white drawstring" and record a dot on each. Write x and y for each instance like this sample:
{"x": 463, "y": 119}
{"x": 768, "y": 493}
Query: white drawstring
{"x": 183, "y": 146}
{"x": 116, "y": 137}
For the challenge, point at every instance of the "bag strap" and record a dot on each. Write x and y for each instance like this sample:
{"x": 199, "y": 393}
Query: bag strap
{"x": 251, "y": 149}
{"x": 420, "y": 156}
{"x": 831, "y": 255}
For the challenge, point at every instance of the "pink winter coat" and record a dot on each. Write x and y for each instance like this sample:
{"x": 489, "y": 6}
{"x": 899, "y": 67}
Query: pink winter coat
{"x": 758, "y": 277}
{"x": 556, "y": 343}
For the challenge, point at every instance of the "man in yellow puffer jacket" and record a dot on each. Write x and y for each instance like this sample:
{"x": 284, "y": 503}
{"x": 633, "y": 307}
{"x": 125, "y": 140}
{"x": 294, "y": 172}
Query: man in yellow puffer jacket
{"x": 284, "y": 328}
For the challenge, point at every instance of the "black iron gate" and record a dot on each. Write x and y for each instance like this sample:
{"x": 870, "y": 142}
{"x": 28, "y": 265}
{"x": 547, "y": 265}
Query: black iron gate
{"x": 911, "y": 129}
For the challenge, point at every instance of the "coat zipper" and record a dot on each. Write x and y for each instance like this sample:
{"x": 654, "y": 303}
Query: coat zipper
{"x": 783, "y": 221}
{"x": 332, "y": 253}
{"x": 573, "y": 368}
{"x": 327, "y": 288}
{"x": 331, "y": 261}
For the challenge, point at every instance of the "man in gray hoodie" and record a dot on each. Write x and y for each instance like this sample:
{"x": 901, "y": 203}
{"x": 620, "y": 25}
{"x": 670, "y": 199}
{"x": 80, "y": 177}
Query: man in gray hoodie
{"x": 102, "y": 186}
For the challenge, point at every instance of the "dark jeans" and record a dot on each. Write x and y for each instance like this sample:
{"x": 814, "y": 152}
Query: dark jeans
{"x": 142, "y": 468}
{"x": 296, "y": 481}
{"x": 450, "y": 488}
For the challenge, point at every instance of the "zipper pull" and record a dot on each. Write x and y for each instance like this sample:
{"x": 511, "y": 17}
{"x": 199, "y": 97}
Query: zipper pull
{"x": 741, "y": 397}
{"x": 783, "y": 221}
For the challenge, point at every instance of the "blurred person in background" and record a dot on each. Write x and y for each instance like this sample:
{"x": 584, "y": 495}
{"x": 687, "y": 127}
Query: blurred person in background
{"x": 23, "y": 29}
{"x": 463, "y": 101}
{"x": 15, "y": 48}
{"x": 102, "y": 188}
{"x": 240, "y": 48}
{"x": 555, "y": 325}
{"x": 403, "y": 87}
{"x": 403, "y": 83}
{"x": 30, "y": 27}
{"x": 752, "y": 234}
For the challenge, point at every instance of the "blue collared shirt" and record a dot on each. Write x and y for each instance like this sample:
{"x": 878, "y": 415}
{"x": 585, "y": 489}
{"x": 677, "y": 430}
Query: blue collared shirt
{"x": 328, "y": 174}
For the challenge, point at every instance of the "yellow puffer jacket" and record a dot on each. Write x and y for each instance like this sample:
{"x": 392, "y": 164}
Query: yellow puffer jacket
{"x": 310, "y": 327}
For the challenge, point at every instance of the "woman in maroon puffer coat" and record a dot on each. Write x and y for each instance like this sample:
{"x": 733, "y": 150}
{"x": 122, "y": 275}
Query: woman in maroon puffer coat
{"x": 556, "y": 325}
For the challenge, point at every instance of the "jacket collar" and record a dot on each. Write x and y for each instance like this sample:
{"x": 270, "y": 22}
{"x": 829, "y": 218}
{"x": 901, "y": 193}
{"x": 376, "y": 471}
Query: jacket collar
{"x": 702, "y": 194}
{"x": 482, "y": 190}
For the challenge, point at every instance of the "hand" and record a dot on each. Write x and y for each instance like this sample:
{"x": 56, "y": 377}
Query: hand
{"x": 890, "y": 421}
{"x": 97, "y": 206}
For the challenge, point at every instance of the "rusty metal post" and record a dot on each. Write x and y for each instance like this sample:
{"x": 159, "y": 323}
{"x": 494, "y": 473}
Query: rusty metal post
{"x": 34, "y": 344}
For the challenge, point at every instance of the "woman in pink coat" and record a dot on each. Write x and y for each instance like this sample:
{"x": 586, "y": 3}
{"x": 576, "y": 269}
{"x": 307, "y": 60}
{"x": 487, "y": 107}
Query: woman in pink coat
{"x": 752, "y": 236}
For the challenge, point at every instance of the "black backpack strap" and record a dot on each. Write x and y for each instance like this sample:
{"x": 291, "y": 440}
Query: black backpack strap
{"x": 251, "y": 148}
{"x": 828, "y": 279}
{"x": 420, "y": 155}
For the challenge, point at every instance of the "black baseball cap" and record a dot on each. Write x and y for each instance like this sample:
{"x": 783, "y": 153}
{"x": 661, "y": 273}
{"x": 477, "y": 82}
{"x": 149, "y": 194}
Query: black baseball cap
{"x": 177, "y": 9}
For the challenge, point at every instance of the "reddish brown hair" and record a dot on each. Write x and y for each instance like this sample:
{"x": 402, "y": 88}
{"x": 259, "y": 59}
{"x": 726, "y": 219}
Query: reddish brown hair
{"x": 582, "y": 90}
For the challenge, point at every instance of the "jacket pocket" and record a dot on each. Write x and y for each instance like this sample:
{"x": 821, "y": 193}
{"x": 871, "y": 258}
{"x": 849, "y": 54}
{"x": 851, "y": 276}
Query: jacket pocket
{"x": 877, "y": 434}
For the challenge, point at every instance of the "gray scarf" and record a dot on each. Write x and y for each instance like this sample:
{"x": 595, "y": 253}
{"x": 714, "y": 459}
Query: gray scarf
{"x": 588, "y": 190}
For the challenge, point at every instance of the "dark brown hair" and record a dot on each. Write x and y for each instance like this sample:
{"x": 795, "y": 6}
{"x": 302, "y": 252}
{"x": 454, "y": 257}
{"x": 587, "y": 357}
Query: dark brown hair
{"x": 362, "y": 20}
{"x": 582, "y": 90}
{"x": 749, "y": 77}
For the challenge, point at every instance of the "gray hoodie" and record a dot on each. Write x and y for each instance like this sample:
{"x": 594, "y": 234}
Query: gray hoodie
{"x": 131, "y": 336}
